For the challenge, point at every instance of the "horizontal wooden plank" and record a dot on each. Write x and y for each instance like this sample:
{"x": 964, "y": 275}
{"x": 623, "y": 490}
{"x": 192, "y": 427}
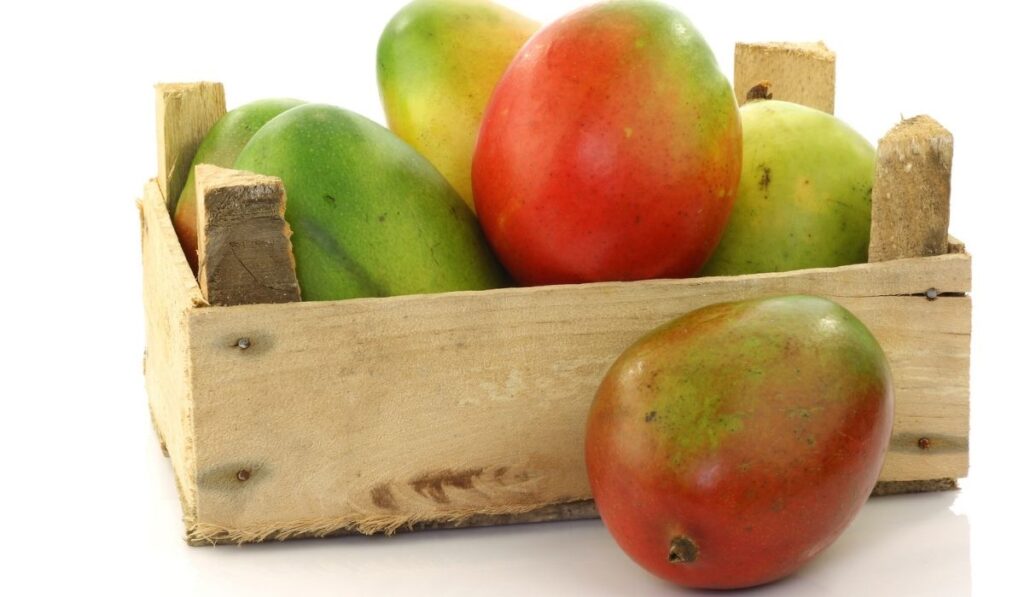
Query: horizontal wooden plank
{"x": 373, "y": 415}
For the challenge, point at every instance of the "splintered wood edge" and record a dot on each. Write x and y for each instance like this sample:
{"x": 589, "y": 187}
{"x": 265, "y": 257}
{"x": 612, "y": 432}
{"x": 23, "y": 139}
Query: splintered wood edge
{"x": 813, "y": 49}
{"x": 185, "y": 112}
{"x": 910, "y": 198}
{"x": 244, "y": 241}
{"x": 564, "y": 512}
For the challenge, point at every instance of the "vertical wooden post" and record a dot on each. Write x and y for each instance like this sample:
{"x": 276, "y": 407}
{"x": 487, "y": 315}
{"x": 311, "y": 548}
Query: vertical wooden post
{"x": 185, "y": 112}
{"x": 910, "y": 200}
{"x": 245, "y": 251}
{"x": 803, "y": 73}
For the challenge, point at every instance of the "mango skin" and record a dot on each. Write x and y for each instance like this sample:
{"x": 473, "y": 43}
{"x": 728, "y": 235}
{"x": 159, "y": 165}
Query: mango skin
{"x": 756, "y": 429}
{"x": 370, "y": 217}
{"x": 804, "y": 198}
{"x": 437, "y": 63}
{"x": 610, "y": 151}
{"x": 220, "y": 147}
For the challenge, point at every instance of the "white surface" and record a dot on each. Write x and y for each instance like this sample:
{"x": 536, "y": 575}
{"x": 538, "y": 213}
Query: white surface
{"x": 88, "y": 502}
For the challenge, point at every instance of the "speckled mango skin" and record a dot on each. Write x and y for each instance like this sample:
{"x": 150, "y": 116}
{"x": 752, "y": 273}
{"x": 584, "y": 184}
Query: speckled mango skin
{"x": 370, "y": 217}
{"x": 437, "y": 64}
{"x": 757, "y": 429}
{"x": 220, "y": 147}
{"x": 611, "y": 149}
{"x": 805, "y": 193}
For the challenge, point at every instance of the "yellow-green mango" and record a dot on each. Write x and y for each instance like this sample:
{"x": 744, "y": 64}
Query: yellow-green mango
{"x": 437, "y": 64}
{"x": 804, "y": 198}
{"x": 369, "y": 216}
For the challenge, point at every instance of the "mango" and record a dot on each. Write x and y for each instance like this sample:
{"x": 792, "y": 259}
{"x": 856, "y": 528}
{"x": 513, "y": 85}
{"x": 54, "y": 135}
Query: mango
{"x": 437, "y": 63}
{"x": 730, "y": 446}
{"x": 804, "y": 198}
{"x": 220, "y": 147}
{"x": 369, "y": 215}
{"x": 610, "y": 151}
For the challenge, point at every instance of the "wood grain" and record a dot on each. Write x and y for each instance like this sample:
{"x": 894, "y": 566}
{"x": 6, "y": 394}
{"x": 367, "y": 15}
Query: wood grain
{"x": 185, "y": 112}
{"x": 170, "y": 294}
{"x": 804, "y": 73}
{"x": 910, "y": 198}
{"x": 377, "y": 414}
{"x": 245, "y": 252}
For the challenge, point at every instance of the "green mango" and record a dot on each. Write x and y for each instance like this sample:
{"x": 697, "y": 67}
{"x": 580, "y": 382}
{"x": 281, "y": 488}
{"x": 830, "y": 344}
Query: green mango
{"x": 369, "y": 215}
{"x": 804, "y": 198}
{"x": 437, "y": 64}
{"x": 220, "y": 147}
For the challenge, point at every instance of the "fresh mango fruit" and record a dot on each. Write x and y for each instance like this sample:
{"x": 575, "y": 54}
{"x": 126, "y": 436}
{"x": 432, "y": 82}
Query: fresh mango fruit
{"x": 220, "y": 147}
{"x": 805, "y": 193}
{"x": 730, "y": 446}
{"x": 369, "y": 215}
{"x": 437, "y": 63}
{"x": 611, "y": 149}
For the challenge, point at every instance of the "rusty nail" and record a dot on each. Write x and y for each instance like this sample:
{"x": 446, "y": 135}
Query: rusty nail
{"x": 931, "y": 294}
{"x": 243, "y": 475}
{"x": 924, "y": 443}
{"x": 243, "y": 343}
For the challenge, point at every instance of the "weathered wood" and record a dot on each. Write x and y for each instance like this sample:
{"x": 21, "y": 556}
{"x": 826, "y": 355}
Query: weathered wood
{"x": 245, "y": 251}
{"x": 170, "y": 293}
{"x": 185, "y": 112}
{"x": 910, "y": 200}
{"x": 376, "y": 414}
{"x": 956, "y": 245}
{"x": 804, "y": 73}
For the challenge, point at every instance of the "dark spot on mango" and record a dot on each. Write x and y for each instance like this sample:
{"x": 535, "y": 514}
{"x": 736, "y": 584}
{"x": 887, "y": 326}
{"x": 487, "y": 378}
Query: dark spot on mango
{"x": 766, "y": 179}
{"x": 433, "y": 485}
{"x": 383, "y": 498}
{"x": 330, "y": 200}
{"x": 650, "y": 416}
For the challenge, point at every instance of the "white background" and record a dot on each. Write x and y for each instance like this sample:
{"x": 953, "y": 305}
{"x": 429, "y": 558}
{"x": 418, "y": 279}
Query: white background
{"x": 89, "y": 503}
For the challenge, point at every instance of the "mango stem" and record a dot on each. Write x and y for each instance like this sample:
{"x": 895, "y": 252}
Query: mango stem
{"x": 682, "y": 550}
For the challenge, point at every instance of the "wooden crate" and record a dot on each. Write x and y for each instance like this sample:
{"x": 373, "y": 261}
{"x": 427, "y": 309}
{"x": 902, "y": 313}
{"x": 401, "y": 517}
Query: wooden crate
{"x": 465, "y": 408}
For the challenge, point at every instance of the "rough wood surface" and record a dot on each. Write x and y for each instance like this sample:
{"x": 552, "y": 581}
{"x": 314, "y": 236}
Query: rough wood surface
{"x": 804, "y": 73}
{"x": 379, "y": 414}
{"x": 245, "y": 251}
{"x": 910, "y": 200}
{"x": 185, "y": 112}
{"x": 170, "y": 293}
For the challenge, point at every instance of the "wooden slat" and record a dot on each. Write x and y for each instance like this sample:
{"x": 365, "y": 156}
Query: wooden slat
{"x": 376, "y": 414}
{"x": 170, "y": 293}
{"x": 185, "y": 112}
{"x": 803, "y": 73}
{"x": 910, "y": 197}
{"x": 245, "y": 251}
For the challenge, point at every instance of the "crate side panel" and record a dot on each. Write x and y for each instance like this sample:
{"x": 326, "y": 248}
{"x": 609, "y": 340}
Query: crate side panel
{"x": 373, "y": 414}
{"x": 169, "y": 293}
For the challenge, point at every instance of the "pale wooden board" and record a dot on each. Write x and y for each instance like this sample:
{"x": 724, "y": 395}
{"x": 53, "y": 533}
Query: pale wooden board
{"x": 803, "y": 73}
{"x": 375, "y": 414}
{"x": 185, "y": 112}
{"x": 245, "y": 251}
{"x": 910, "y": 197}
{"x": 170, "y": 293}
